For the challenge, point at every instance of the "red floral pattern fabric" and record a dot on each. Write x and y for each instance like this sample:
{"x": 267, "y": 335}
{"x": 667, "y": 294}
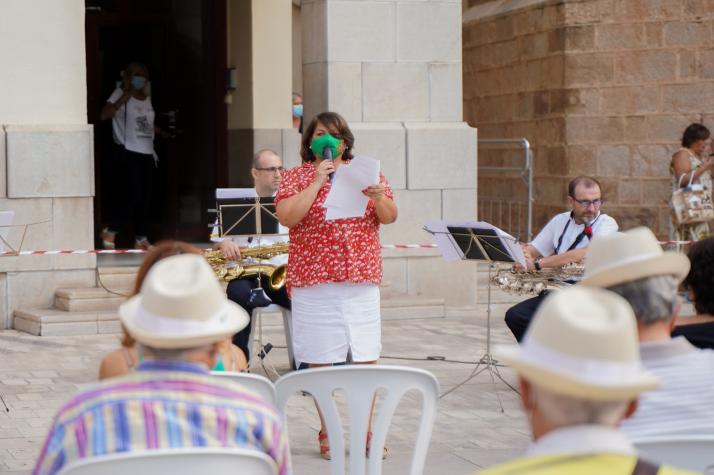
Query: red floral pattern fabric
{"x": 340, "y": 250}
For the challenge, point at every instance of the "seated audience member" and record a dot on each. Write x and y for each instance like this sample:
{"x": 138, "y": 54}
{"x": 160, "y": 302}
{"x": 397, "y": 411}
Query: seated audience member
{"x": 633, "y": 265}
{"x": 699, "y": 329}
{"x": 577, "y": 382}
{"x": 126, "y": 359}
{"x": 170, "y": 401}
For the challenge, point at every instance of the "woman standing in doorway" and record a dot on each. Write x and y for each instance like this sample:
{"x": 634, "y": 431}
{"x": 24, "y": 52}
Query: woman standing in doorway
{"x": 132, "y": 114}
{"x": 334, "y": 266}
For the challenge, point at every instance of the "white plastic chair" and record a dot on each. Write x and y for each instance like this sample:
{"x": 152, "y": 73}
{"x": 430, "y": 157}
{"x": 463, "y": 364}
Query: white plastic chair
{"x": 360, "y": 383}
{"x": 692, "y": 452}
{"x": 186, "y": 461}
{"x": 257, "y": 341}
{"x": 260, "y": 385}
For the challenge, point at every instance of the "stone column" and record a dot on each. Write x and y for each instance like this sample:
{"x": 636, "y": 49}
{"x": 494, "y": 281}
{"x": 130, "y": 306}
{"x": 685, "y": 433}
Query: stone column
{"x": 259, "y": 115}
{"x": 393, "y": 70}
{"x": 46, "y": 151}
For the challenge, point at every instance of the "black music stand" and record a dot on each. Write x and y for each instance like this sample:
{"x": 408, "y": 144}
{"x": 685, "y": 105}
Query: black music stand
{"x": 486, "y": 243}
{"x": 253, "y": 216}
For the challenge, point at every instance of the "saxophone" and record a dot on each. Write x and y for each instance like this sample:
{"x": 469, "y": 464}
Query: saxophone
{"x": 226, "y": 271}
{"x": 534, "y": 282}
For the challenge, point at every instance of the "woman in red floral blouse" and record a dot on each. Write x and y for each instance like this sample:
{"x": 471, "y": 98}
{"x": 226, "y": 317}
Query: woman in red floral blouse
{"x": 335, "y": 266}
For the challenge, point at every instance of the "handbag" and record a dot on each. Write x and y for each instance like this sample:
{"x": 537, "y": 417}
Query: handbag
{"x": 692, "y": 204}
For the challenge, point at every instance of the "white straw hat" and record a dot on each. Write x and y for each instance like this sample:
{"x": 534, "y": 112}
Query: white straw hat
{"x": 181, "y": 305}
{"x": 582, "y": 343}
{"x": 631, "y": 255}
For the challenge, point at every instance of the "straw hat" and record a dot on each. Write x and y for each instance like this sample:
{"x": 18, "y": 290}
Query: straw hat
{"x": 181, "y": 305}
{"x": 582, "y": 343}
{"x": 628, "y": 256}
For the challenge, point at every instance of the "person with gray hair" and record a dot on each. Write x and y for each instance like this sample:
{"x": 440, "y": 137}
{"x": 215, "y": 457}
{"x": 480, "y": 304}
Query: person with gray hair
{"x": 580, "y": 375}
{"x": 633, "y": 265}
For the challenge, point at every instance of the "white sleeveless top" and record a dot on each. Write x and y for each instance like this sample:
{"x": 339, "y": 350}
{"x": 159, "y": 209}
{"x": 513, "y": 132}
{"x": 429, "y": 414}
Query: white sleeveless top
{"x": 694, "y": 161}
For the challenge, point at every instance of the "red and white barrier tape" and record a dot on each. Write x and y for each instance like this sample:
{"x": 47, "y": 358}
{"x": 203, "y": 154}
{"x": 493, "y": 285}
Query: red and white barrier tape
{"x": 141, "y": 251}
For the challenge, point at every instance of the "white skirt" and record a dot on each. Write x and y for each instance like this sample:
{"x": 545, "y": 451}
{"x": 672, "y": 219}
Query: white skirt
{"x": 332, "y": 320}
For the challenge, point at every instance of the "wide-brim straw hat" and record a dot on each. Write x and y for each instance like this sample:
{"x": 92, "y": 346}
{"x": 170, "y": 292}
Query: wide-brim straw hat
{"x": 582, "y": 343}
{"x": 630, "y": 255}
{"x": 181, "y": 305}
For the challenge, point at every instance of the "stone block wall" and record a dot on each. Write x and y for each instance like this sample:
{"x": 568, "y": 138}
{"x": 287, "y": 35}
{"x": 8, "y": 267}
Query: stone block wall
{"x": 393, "y": 69}
{"x": 49, "y": 184}
{"x": 599, "y": 87}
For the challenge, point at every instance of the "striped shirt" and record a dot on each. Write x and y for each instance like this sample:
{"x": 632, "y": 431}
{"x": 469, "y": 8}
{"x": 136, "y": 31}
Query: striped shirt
{"x": 163, "y": 405}
{"x": 684, "y": 402}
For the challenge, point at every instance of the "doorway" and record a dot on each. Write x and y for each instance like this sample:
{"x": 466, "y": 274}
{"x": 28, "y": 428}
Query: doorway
{"x": 183, "y": 45}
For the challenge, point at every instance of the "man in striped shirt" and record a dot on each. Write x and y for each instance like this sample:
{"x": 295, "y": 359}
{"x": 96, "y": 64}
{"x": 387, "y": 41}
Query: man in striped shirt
{"x": 171, "y": 401}
{"x": 633, "y": 265}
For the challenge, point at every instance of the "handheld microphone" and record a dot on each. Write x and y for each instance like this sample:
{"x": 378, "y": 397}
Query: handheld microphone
{"x": 327, "y": 155}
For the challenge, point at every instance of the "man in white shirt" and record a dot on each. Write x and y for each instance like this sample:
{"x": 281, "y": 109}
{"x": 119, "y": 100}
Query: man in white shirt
{"x": 563, "y": 241}
{"x": 633, "y": 265}
{"x": 267, "y": 169}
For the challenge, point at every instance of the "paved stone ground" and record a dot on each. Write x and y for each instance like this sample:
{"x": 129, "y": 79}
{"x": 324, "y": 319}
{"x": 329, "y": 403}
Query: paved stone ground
{"x": 38, "y": 374}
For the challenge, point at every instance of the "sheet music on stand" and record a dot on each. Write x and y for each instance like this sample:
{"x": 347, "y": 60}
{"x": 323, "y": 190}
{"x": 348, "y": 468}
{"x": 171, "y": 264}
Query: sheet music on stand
{"x": 247, "y": 216}
{"x": 475, "y": 240}
{"x": 478, "y": 241}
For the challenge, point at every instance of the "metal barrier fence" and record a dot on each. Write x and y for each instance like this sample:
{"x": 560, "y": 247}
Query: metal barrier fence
{"x": 513, "y": 215}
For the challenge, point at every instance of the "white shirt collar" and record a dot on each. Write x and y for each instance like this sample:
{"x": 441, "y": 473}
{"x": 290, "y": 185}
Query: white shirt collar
{"x": 595, "y": 219}
{"x": 581, "y": 439}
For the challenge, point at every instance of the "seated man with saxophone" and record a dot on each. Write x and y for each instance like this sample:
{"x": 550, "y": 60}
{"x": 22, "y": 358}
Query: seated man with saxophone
{"x": 562, "y": 241}
{"x": 267, "y": 170}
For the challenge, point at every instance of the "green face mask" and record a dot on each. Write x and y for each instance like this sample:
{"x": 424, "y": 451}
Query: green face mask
{"x": 318, "y": 145}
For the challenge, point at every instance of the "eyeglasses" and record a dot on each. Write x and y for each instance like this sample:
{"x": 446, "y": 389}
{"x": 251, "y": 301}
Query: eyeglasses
{"x": 586, "y": 203}
{"x": 271, "y": 169}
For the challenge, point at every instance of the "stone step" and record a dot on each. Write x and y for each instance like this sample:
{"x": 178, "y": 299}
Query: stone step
{"x": 56, "y": 322}
{"x": 117, "y": 277}
{"x": 89, "y": 299}
{"x": 92, "y": 310}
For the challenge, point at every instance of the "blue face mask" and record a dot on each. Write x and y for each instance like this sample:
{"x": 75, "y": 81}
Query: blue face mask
{"x": 138, "y": 82}
{"x": 297, "y": 110}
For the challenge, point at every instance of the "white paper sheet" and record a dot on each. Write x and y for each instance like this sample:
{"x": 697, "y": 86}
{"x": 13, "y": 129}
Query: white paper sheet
{"x": 451, "y": 251}
{"x": 228, "y": 193}
{"x": 346, "y": 199}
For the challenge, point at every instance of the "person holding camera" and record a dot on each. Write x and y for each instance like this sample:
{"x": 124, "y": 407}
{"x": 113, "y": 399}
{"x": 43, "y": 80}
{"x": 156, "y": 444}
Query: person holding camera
{"x": 132, "y": 114}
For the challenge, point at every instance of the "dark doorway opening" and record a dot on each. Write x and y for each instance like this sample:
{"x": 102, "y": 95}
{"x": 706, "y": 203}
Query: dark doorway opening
{"x": 183, "y": 44}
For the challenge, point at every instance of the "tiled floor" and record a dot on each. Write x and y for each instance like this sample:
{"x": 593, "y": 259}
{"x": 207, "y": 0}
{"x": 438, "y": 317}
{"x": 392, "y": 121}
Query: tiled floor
{"x": 37, "y": 374}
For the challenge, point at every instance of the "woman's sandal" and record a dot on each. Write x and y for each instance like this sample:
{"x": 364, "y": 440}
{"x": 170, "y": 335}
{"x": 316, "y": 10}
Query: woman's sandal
{"x": 324, "y": 445}
{"x": 385, "y": 452}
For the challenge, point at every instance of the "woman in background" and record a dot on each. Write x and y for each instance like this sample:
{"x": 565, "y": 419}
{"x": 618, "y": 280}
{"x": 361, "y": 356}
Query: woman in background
{"x": 125, "y": 359}
{"x": 692, "y": 164}
{"x": 132, "y": 114}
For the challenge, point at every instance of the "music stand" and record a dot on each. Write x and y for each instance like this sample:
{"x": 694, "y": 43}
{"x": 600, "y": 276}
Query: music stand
{"x": 478, "y": 241}
{"x": 249, "y": 216}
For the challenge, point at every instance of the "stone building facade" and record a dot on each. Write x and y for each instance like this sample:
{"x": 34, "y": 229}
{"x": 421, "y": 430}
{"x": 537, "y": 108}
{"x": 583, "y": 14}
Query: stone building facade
{"x": 599, "y": 87}
{"x": 391, "y": 67}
